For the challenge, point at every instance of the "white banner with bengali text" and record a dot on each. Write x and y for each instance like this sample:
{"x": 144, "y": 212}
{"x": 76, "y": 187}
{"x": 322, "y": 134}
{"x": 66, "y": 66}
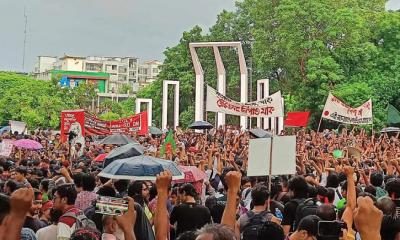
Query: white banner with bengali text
{"x": 267, "y": 107}
{"x": 338, "y": 111}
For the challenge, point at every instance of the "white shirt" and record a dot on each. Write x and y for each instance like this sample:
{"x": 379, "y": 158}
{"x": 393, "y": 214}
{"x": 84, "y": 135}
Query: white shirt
{"x": 47, "y": 233}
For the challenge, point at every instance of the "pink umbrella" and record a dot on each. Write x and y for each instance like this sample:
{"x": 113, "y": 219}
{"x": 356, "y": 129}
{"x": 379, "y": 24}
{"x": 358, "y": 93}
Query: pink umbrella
{"x": 192, "y": 174}
{"x": 28, "y": 144}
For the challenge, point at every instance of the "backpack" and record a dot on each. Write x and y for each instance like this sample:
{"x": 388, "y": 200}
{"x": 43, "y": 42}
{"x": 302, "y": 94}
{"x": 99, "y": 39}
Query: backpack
{"x": 304, "y": 208}
{"x": 81, "y": 221}
{"x": 256, "y": 221}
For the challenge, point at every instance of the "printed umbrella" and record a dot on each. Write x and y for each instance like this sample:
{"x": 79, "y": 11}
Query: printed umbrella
{"x": 140, "y": 168}
{"x": 260, "y": 133}
{"x": 390, "y": 129}
{"x": 101, "y": 157}
{"x": 28, "y": 144}
{"x": 192, "y": 174}
{"x": 117, "y": 139}
{"x": 125, "y": 151}
{"x": 201, "y": 125}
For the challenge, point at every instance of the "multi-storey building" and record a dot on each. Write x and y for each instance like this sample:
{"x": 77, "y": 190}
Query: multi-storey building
{"x": 121, "y": 70}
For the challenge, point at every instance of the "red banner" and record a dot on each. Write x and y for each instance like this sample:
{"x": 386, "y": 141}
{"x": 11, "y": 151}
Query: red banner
{"x": 297, "y": 119}
{"x": 72, "y": 120}
{"x": 95, "y": 126}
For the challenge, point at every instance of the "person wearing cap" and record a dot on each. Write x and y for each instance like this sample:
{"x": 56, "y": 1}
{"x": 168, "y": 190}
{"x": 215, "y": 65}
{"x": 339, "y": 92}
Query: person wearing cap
{"x": 307, "y": 229}
{"x": 45, "y": 212}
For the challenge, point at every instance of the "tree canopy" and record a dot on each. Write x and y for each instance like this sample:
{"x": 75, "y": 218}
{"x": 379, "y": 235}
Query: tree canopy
{"x": 306, "y": 48}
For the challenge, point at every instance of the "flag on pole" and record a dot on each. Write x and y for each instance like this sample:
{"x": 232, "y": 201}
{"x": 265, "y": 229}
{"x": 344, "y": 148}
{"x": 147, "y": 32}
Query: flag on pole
{"x": 169, "y": 145}
{"x": 393, "y": 115}
{"x": 297, "y": 119}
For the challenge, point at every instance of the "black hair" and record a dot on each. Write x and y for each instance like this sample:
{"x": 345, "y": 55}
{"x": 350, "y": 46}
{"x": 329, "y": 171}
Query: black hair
{"x": 34, "y": 183}
{"x": 22, "y": 170}
{"x": 103, "y": 180}
{"x": 12, "y": 185}
{"x": 326, "y": 212}
{"x": 45, "y": 184}
{"x": 135, "y": 192}
{"x": 77, "y": 179}
{"x": 88, "y": 182}
{"x": 67, "y": 191}
{"x": 309, "y": 224}
{"x": 393, "y": 187}
{"x": 331, "y": 195}
{"x": 259, "y": 194}
{"x": 121, "y": 185}
{"x": 152, "y": 192}
{"x": 332, "y": 180}
{"x": 299, "y": 187}
{"x": 376, "y": 179}
{"x": 270, "y": 231}
{"x": 188, "y": 235}
{"x": 188, "y": 189}
{"x": 55, "y": 215}
{"x": 107, "y": 191}
{"x": 370, "y": 189}
{"x": 312, "y": 191}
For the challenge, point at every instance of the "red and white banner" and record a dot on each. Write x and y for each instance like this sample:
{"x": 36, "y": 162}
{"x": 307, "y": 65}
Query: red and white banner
{"x": 338, "y": 111}
{"x": 267, "y": 107}
{"x": 72, "y": 120}
{"x": 6, "y": 147}
{"x": 88, "y": 124}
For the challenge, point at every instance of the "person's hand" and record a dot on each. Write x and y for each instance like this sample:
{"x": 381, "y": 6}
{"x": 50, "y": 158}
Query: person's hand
{"x": 349, "y": 171}
{"x": 367, "y": 218}
{"x": 21, "y": 201}
{"x": 163, "y": 181}
{"x": 233, "y": 179}
{"x": 128, "y": 219}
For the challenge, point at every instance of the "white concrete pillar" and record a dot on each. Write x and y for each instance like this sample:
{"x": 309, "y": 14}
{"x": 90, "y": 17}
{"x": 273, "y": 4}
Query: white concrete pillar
{"x": 165, "y": 103}
{"x": 149, "y": 108}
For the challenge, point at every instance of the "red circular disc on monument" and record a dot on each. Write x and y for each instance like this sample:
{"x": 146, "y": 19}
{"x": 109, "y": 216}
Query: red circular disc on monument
{"x": 326, "y": 113}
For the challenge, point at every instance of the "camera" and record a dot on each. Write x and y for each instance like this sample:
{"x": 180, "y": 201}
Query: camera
{"x": 330, "y": 229}
{"x": 111, "y": 206}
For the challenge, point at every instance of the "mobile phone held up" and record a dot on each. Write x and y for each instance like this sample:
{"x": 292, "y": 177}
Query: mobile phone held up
{"x": 111, "y": 206}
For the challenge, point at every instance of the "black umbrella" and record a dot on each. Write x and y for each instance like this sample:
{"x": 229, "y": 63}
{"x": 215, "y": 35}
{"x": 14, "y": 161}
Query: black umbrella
{"x": 126, "y": 151}
{"x": 260, "y": 133}
{"x": 117, "y": 139}
{"x": 155, "y": 131}
{"x": 201, "y": 125}
{"x": 390, "y": 129}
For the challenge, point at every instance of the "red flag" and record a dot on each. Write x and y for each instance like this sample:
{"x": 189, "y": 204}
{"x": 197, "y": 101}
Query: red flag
{"x": 297, "y": 119}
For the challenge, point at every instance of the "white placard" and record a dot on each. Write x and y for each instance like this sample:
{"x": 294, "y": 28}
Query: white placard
{"x": 17, "y": 126}
{"x": 283, "y": 156}
{"x": 339, "y": 111}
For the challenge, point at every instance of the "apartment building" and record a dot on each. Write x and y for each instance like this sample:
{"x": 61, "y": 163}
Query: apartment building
{"x": 121, "y": 70}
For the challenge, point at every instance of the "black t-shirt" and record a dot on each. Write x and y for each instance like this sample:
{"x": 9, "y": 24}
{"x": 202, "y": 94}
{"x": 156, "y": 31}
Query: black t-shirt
{"x": 216, "y": 207}
{"x": 289, "y": 214}
{"x": 189, "y": 216}
{"x": 34, "y": 224}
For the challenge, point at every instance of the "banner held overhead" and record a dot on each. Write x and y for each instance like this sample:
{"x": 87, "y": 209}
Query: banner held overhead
{"x": 267, "y": 107}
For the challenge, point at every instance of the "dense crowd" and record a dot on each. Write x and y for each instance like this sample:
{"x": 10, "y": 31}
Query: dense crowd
{"x": 347, "y": 186}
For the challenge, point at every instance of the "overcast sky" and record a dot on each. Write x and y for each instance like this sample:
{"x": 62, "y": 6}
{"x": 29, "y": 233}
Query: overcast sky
{"x": 139, "y": 28}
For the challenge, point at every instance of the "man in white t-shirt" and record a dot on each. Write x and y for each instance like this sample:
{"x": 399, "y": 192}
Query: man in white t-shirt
{"x": 50, "y": 232}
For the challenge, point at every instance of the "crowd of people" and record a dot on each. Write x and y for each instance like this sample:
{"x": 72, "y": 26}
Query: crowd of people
{"x": 347, "y": 186}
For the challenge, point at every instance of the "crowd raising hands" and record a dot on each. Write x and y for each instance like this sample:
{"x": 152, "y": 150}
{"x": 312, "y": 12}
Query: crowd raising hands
{"x": 347, "y": 186}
